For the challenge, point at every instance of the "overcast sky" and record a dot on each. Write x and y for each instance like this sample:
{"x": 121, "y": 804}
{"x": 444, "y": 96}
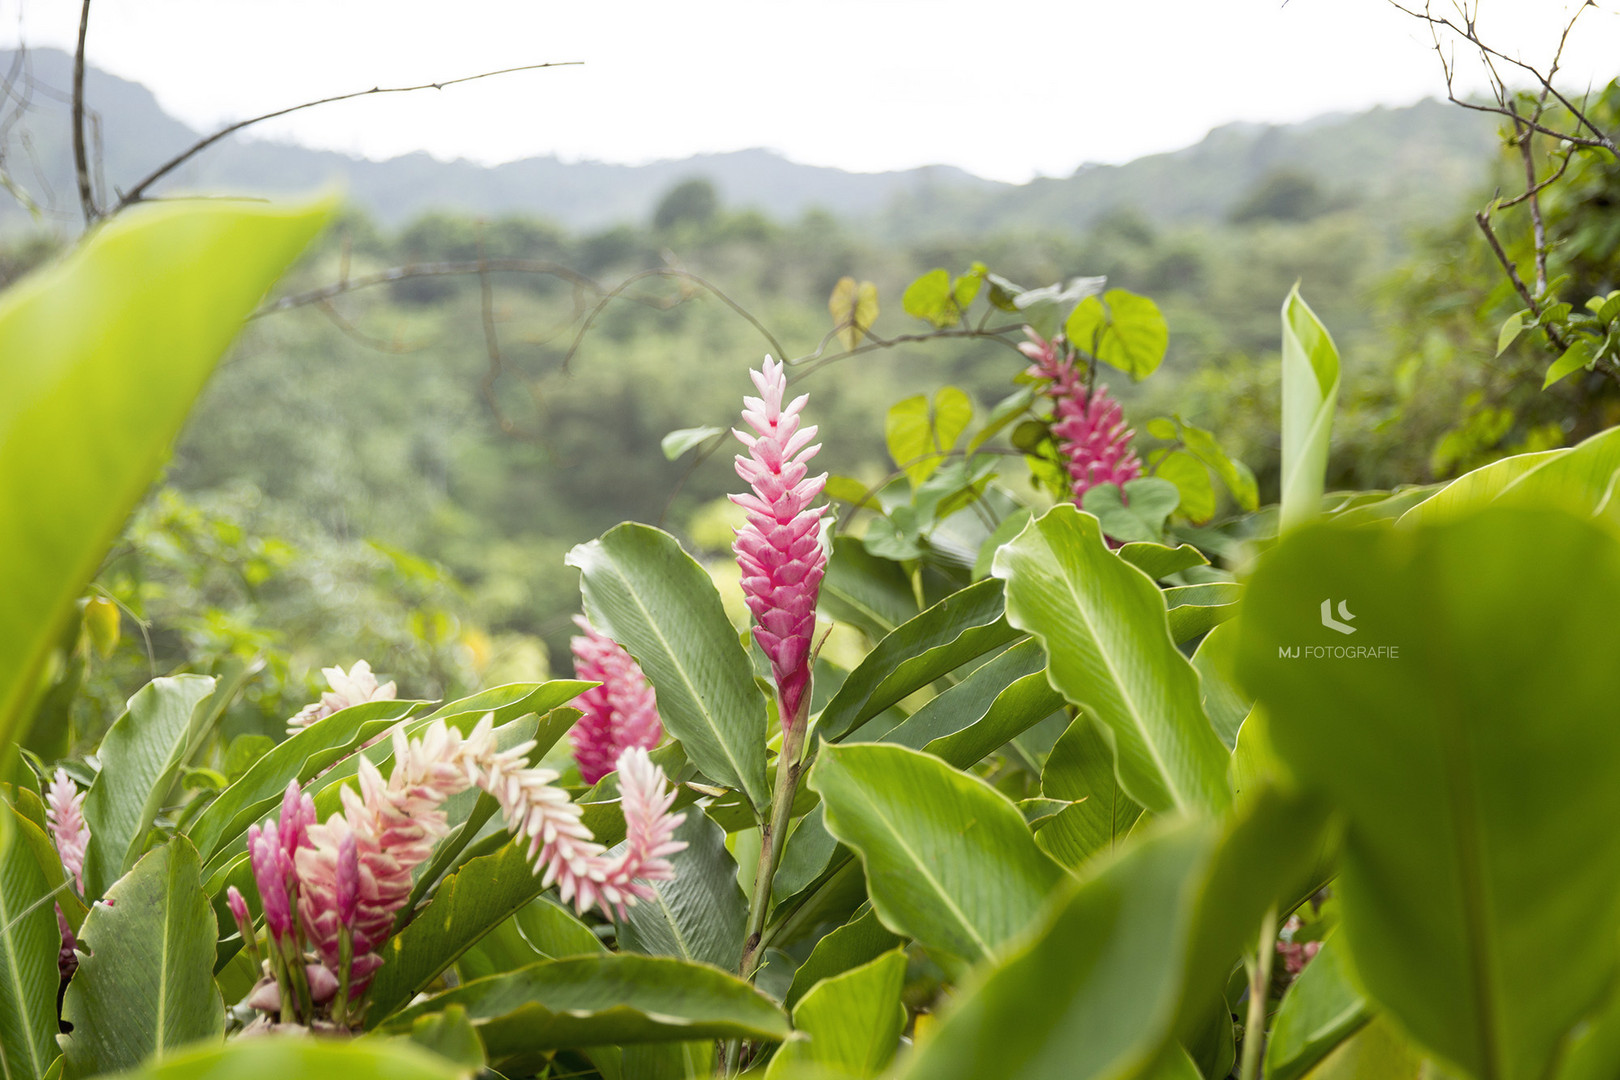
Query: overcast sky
{"x": 1006, "y": 90}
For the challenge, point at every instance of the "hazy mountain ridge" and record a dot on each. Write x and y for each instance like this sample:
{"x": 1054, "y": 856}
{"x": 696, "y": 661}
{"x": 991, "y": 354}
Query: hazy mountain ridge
{"x": 1419, "y": 159}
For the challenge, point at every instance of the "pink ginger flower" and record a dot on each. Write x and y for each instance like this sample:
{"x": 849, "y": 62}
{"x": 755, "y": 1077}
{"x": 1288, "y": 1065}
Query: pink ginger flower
{"x": 349, "y": 688}
{"x": 390, "y": 827}
{"x": 621, "y": 713}
{"x": 780, "y": 548}
{"x": 1295, "y": 956}
{"x": 64, "y": 812}
{"x": 1089, "y": 427}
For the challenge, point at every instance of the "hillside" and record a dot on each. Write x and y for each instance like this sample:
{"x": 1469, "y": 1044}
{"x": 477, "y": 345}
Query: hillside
{"x": 1418, "y": 160}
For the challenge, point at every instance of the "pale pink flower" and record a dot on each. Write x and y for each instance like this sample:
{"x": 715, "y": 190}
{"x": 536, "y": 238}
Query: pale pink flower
{"x": 349, "y": 688}
{"x": 1295, "y": 956}
{"x": 65, "y": 813}
{"x": 621, "y": 713}
{"x": 780, "y": 547}
{"x": 270, "y": 873}
{"x": 1089, "y": 426}
{"x": 391, "y": 826}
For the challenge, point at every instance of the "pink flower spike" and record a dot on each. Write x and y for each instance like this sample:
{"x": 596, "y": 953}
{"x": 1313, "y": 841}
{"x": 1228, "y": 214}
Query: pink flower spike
{"x": 297, "y": 815}
{"x": 65, "y": 814}
{"x": 621, "y": 713}
{"x": 780, "y": 547}
{"x": 1089, "y": 426}
{"x": 238, "y": 906}
{"x": 348, "y": 879}
{"x": 270, "y": 874}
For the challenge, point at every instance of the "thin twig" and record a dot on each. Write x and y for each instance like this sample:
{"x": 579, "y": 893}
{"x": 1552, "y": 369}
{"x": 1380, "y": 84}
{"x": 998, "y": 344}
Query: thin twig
{"x": 81, "y": 156}
{"x": 136, "y": 193}
{"x": 433, "y": 269}
{"x": 1484, "y": 221}
{"x": 672, "y": 272}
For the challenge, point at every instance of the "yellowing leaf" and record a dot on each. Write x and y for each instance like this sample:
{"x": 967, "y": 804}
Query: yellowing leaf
{"x": 854, "y": 309}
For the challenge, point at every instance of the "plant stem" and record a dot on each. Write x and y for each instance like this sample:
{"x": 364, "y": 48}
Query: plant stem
{"x": 773, "y": 833}
{"x": 1254, "y": 1029}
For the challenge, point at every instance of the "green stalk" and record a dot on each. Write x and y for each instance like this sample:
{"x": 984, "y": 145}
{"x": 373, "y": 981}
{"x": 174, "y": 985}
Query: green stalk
{"x": 773, "y": 834}
{"x": 1254, "y": 1029}
{"x": 340, "y": 1004}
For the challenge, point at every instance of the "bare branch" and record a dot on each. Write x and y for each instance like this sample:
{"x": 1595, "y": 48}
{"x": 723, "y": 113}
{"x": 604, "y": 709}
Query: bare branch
{"x": 670, "y": 272}
{"x": 136, "y": 193}
{"x": 435, "y": 269}
{"x": 81, "y": 157}
{"x": 1530, "y": 301}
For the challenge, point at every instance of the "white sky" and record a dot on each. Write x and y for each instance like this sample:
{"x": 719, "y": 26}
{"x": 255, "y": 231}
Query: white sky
{"x": 1006, "y": 90}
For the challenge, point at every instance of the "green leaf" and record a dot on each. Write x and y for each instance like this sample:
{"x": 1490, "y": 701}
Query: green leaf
{"x": 678, "y": 442}
{"x": 909, "y": 438}
{"x": 651, "y": 597}
{"x": 29, "y": 940}
{"x": 1321, "y": 1009}
{"x": 1158, "y": 561}
{"x": 1122, "y": 329}
{"x": 1576, "y": 357}
{"x": 1129, "y": 958}
{"x": 146, "y": 987}
{"x": 853, "y": 1022}
{"x": 1581, "y": 479}
{"x": 1138, "y": 512}
{"x": 1512, "y": 327}
{"x": 101, "y": 356}
{"x": 855, "y": 943}
{"x": 962, "y": 627}
{"x": 1478, "y": 848}
{"x": 1198, "y": 609}
{"x": 449, "y": 1034}
{"x": 854, "y": 308}
{"x": 1000, "y": 700}
{"x": 1107, "y": 636}
{"x": 1237, "y": 477}
{"x": 1310, "y": 393}
{"x": 930, "y": 298}
{"x": 141, "y": 756}
{"x": 1191, "y": 478}
{"x": 483, "y": 893}
{"x": 1225, "y": 703}
{"x": 702, "y": 915}
{"x": 1473, "y": 490}
{"x": 1080, "y": 769}
{"x": 281, "y": 1057}
{"x": 953, "y": 412}
{"x": 1376, "y": 1050}
{"x": 595, "y": 1000}
{"x": 949, "y": 861}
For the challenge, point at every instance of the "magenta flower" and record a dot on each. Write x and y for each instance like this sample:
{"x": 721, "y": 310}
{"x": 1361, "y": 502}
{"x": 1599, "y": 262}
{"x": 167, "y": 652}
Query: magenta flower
{"x": 349, "y": 688}
{"x": 270, "y": 872}
{"x": 1089, "y": 427}
{"x": 1295, "y": 955}
{"x": 621, "y": 713}
{"x": 238, "y": 906}
{"x": 780, "y": 548}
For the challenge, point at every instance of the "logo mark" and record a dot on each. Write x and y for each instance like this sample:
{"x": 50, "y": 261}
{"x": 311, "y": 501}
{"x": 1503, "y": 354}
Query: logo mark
{"x": 1334, "y": 624}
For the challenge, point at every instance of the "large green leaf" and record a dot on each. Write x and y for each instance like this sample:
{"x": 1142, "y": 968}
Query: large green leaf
{"x": 962, "y": 627}
{"x": 1473, "y": 490}
{"x": 849, "y": 1024}
{"x": 857, "y": 942}
{"x": 1224, "y": 703}
{"x": 647, "y": 594}
{"x": 1582, "y": 478}
{"x": 1080, "y": 770}
{"x": 290, "y": 1057}
{"x": 866, "y": 591}
{"x": 611, "y": 998}
{"x": 1107, "y": 637}
{"x": 1478, "y": 768}
{"x": 1310, "y": 393}
{"x": 101, "y": 356}
{"x": 1134, "y": 955}
{"x": 701, "y": 915}
{"x": 146, "y": 987}
{"x": 949, "y": 861}
{"x": 141, "y": 756}
{"x": 1321, "y": 1009}
{"x": 29, "y": 940}
{"x": 482, "y": 894}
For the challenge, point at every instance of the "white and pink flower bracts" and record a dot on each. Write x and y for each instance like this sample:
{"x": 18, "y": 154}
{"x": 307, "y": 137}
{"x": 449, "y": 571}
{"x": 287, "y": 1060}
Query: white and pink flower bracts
{"x": 1089, "y": 426}
{"x": 780, "y": 548}
{"x": 349, "y": 688}
{"x": 620, "y": 713}
{"x": 64, "y": 812}
{"x": 353, "y": 872}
